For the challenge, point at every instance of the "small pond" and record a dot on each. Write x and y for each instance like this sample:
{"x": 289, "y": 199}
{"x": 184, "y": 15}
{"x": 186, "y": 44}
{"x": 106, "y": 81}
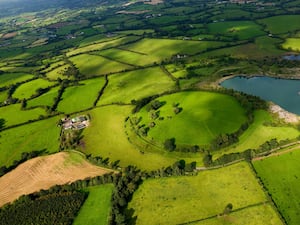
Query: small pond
{"x": 285, "y": 93}
{"x": 292, "y": 57}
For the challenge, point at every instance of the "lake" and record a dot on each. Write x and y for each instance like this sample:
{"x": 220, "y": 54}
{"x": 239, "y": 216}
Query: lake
{"x": 285, "y": 93}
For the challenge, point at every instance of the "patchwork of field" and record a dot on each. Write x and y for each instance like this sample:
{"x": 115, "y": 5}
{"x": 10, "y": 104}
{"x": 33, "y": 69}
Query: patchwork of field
{"x": 197, "y": 197}
{"x": 13, "y": 114}
{"x": 7, "y": 79}
{"x": 91, "y": 65}
{"x": 45, "y": 172}
{"x": 81, "y": 96}
{"x": 203, "y": 116}
{"x": 240, "y": 29}
{"x": 41, "y": 135}
{"x": 284, "y": 186}
{"x": 122, "y": 88}
{"x": 96, "y": 208}
{"x": 28, "y": 89}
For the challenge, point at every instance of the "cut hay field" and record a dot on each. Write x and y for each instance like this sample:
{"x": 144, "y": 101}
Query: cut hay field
{"x": 185, "y": 199}
{"x": 14, "y": 115}
{"x": 284, "y": 187}
{"x": 258, "y": 133}
{"x": 204, "y": 116}
{"x": 124, "y": 87}
{"x": 106, "y": 137}
{"x": 46, "y": 99}
{"x": 241, "y": 29}
{"x": 80, "y": 97}
{"x": 292, "y": 44}
{"x": 26, "y": 90}
{"x": 7, "y": 79}
{"x": 96, "y": 208}
{"x": 164, "y": 48}
{"x": 90, "y": 65}
{"x": 281, "y": 24}
{"x": 45, "y": 172}
{"x": 129, "y": 57}
{"x": 257, "y": 215}
{"x": 27, "y": 138}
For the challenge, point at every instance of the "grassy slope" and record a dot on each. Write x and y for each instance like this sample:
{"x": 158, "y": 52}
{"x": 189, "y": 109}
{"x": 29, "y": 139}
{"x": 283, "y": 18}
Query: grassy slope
{"x": 12, "y": 78}
{"x": 204, "y": 116}
{"x": 28, "y": 89}
{"x": 284, "y": 187}
{"x": 34, "y": 136}
{"x": 96, "y": 208}
{"x": 96, "y": 65}
{"x": 292, "y": 43}
{"x": 80, "y": 97}
{"x": 46, "y": 99}
{"x": 57, "y": 72}
{"x": 258, "y": 133}
{"x": 242, "y": 29}
{"x": 281, "y": 24}
{"x": 183, "y": 199}
{"x": 106, "y": 137}
{"x": 14, "y": 115}
{"x": 135, "y": 85}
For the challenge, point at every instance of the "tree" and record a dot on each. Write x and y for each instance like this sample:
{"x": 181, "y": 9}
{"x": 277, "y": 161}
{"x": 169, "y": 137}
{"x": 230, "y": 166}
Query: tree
{"x": 207, "y": 159}
{"x": 228, "y": 209}
{"x": 169, "y": 144}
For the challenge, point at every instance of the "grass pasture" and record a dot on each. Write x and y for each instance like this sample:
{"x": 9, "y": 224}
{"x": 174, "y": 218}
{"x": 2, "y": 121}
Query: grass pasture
{"x": 14, "y": 115}
{"x": 258, "y": 133}
{"x": 257, "y": 215}
{"x": 284, "y": 187}
{"x": 58, "y": 72}
{"x": 3, "y": 96}
{"x": 241, "y": 29}
{"x": 281, "y": 24}
{"x": 80, "y": 97}
{"x": 46, "y": 99}
{"x": 185, "y": 199}
{"x": 90, "y": 65}
{"x": 39, "y": 135}
{"x": 292, "y": 44}
{"x": 204, "y": 116}
{"x": 96, "y": 208}
{"x": 164, "y": 48}
{"x": 28, "y": 89}
{"x": 124, "y": 87}
{"x": 7, "y": 79}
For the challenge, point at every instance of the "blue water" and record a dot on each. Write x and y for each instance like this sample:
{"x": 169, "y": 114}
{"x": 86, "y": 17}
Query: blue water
{"x": 292, "y": 57}
{"x": 285, "y": 93}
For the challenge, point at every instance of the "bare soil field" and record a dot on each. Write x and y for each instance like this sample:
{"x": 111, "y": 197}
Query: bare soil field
{"x": 45, "y": 172}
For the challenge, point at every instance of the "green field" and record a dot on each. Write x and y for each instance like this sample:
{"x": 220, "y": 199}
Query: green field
{"x": 124, "y": 87}
{"x": 164, "y": 48}
{"x": 90, "y": 65}
{"x": 80, "y": 97}
{"x": 46, "y": 99}
{"x": 185, "y": 199}
{"x": 204, "y": 116}
{"x": 96, "y": 208}
{"x": 14, "y": 115}
{"x": 292, "y": 44}
{"x": 3, "y": 96}
{"x": 129, "y": 57}
{"x": 26, "y": 90}
{"x": 27, "y": 138}
{"x": 284, "y": 187}
{"x": 258, "y": 133}
{"x": 106, "y": 137}
{"x": 7, "y": 79}
{"x": 281, "y": 24}
{"x": 58, "y": 72}
{"x": 257, "y": 215}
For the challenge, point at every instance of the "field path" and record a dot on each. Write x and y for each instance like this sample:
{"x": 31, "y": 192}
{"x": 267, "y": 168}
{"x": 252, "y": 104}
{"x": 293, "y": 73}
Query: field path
{"x": 45, "y": 172}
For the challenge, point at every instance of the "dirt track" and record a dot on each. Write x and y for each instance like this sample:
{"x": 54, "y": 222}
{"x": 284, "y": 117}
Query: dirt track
{"x": 44, "y": 172}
